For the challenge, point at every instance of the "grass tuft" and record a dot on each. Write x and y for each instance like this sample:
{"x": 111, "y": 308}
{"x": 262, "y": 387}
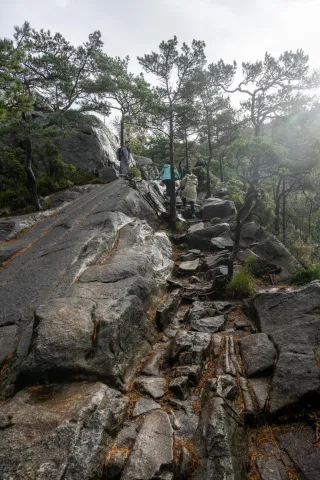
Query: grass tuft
{"x": 242, "y": 284}
{"x": 302, "y": 276}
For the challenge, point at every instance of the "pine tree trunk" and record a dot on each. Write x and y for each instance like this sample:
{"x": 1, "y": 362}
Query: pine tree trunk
{"x": 186, "y": 149}
{"x": 122, "y": 131}
{"x": 277, "y": 209}
{"x": 284, "y": 213}
{"x": 32, "y": 183}
{"x": 173, "y": 190}
{"x": 221, "y": 167}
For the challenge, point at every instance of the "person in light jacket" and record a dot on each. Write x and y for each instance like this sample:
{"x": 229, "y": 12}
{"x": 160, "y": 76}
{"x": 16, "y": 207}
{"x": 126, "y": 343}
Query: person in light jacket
{"x": 189, "y": 185}
{"x": 165, "y": 176}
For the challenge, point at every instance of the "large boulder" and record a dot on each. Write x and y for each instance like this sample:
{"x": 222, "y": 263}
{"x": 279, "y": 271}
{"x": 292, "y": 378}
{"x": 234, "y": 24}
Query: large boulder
{"x": 92, "y": 330}
{"x": 273, "y": 251}
{"x": 126, "y": 274}
{"x": 142, "y": 160}
{"x": 59, "y": 431}
{"x": 216, "y": 207}
{"x": 258, "y": 354}
{"x": 149, "y": 172}
{"x": 291, "y": 320}
{"x": 201, "y": 238}
{"x": 91, "y": 145}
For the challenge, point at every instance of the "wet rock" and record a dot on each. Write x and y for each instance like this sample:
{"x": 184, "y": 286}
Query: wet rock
{"x": 201, "y": 239}
{"x": 190, "y": 348}
{"x": 152, "y": 454}
{"x": 60, "y": 430}
{"x": 101, "y": 327}
{"x": 303, "y": 453}
{"x": 260, "y": 388}
{"x": 215, "y": 261}
{"x": 189, "y": 267}
{"x": 221, "y": 443}
{"x": 221, "y": 243}
{"x": 154, "y": 386}
{"x": 166, "y": 311}
{"x": 208, "y": 324}
{"x": 201, "y": 310}
{"x": 193, "y": 373}
{"x": 258, "y": 354}
{"x": 152, "y": 366}
{"x": 273, "y": 251}
{"x": 144, "y": 405}
{"x": 271, "y": 468}
{"x": 226, "y": 387}
{"x": 179, "y": 386}
{"x": 291, "y": 320}
{"x": 196, "y": 227}
{"x": 215, "y": 207}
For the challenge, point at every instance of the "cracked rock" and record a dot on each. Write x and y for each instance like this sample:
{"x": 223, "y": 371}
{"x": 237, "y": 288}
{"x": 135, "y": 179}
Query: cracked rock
{"x": 154, "y": 386}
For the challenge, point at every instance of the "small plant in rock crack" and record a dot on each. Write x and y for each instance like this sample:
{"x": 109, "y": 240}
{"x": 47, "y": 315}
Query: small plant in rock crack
{"x": 302, "y": 276}
{"x": 179, "y": 227}
{"x": 242, "y": 284}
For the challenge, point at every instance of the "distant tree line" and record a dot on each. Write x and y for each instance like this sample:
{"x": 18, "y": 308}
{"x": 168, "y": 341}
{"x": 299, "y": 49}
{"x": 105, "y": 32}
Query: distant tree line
{"x": 265, "y": 152}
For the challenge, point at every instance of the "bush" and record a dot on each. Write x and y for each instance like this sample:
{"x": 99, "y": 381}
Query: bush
{"x": 302, "y": 276}
{"x": 133, "y": 172}
{"x": 242, "y": 284}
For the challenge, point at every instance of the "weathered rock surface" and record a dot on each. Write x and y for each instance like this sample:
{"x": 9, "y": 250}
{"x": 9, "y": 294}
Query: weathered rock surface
{"x": 190, "y": 348}
{"x": 149, "y": 172}
{"x": 142, "y": 160}
{"x": 291, "y": 319}
{"x": 201, "y": 238}
{"x": 215, "y": 207}
{"x": 258, "y": 354}
{"x": 152, "y": 454}
{"x": 221, "y": 443}
{"x": 190, "y": 266}
{"x": 89, "y": 146}
{"x": 92, "y": 331}
{"x": 247, "y": 236}
{"x": 144, "y": 405}
{"x": 221, "y": 243}
{"x": 209, "y": 324}
{"x": 273, "y": 251}
{"x": 127, "y": 261}
{"x": 260, "y": 388}
{"x": 166, "y": 310}
{"x": 154, "y": 386}
{"x": 303, "y": 453}
{"x": 59, "y": 431}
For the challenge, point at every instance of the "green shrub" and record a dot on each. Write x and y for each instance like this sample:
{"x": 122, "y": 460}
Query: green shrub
{"x": 179, "y": 227}
{"x": 302, "y": 276}
{"x": 242, "y": 284}
{"x": 133, "y": 172}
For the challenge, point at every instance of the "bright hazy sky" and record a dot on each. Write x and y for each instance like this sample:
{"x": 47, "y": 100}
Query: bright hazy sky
{"x": 232, "y": 29}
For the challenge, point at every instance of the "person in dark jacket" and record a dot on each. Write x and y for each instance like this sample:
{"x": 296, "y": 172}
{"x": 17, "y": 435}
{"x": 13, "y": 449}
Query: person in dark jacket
{"x": 124, "y": 158}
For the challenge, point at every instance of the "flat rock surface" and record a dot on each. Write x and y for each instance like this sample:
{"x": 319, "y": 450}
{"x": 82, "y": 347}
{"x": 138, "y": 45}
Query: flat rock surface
{"x": 216, "y": 207}
{"x": 59, "y": 431}
{"x": 152, "y": 454}
{"x": 258, "y": 354}
{"x": 154, "y": 386}
{"x": 144, "y": 405}
{"x": 291, "y": 319}
{"x": 304, "y": 455}
{"x": 189, "y": 267}
{"x": 208, "y": 324}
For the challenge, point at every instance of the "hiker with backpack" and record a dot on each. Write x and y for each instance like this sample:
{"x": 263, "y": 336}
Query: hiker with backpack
{"x": 165, "y": 176}
{"x": 123, "y": 155}
{"x": 189, "y": 186}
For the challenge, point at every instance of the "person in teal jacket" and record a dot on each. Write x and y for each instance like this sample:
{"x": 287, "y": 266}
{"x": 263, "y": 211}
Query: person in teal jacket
{"x": 165, "y": 176}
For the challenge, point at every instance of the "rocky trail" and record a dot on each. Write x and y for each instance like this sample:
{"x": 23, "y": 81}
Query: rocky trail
{"x": 141, "y": 368}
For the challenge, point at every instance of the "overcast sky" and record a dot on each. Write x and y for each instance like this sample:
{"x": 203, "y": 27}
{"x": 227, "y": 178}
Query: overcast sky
{"x": 232, "y": 29}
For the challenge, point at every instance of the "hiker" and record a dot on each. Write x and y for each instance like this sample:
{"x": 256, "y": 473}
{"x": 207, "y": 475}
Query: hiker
{"x": 123, "y": 155}
{"x": 165, "y": 176}
{"x": 189, "y": 186}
